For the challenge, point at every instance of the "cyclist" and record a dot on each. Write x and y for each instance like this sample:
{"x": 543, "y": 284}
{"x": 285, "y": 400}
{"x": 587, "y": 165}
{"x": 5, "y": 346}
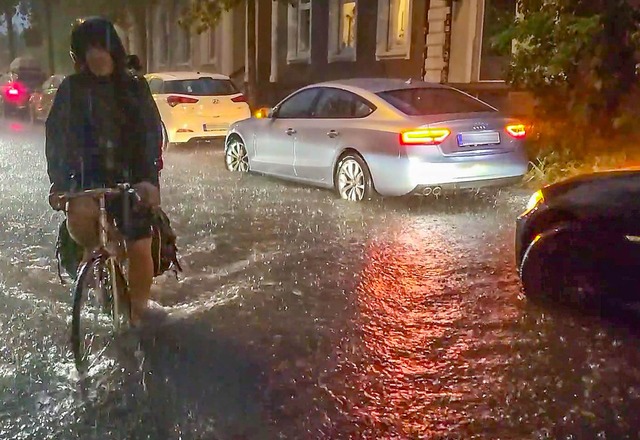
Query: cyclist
{"x": 104, "y": 128}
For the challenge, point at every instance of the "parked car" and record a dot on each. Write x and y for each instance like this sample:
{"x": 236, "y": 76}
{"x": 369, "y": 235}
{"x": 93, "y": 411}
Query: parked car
{"x": 578, "y": 240}
{"x": 41, "y": 99}
{"x": 385, "y": 136}
{"x": 196, "y": 105}
{"x": 16, "y": 90}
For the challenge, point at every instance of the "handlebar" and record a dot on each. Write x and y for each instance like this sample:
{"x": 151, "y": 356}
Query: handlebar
{"x": 99, "y": 192}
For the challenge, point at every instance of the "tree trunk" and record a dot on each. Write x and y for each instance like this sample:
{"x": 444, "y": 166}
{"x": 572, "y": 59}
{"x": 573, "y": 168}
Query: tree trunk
{"x": 8, "y": 18}
{"x": 250, "y": 76}
{"x": 49, "y": 30}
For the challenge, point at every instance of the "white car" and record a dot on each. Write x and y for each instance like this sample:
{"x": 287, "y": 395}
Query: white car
{"x": 196, "y": 105}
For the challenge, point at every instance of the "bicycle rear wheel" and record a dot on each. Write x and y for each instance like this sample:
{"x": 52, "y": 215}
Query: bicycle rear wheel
{"x": 97, "y": 311}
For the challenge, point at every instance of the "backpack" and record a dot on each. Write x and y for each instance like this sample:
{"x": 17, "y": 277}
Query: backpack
{"x": 163, "y": 248}
{"x": 163, "y": 245}
{"x": 68, "y": 253}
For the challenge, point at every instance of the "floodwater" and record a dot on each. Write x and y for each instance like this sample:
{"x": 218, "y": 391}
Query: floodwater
{"x": 302, "y": 317}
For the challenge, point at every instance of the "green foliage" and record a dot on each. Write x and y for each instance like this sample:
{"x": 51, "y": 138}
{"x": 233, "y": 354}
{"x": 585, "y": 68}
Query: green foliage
{"x": 577, "y": 57}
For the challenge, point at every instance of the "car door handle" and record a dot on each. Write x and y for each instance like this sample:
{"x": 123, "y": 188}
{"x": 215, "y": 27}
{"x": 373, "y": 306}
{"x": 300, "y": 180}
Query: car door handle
{"x": 332, "y": 133}
{"x": 290, "y": 131}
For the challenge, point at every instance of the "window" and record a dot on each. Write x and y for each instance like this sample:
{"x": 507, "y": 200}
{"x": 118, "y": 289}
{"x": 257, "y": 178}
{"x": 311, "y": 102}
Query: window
{"x": 155, "y": 85}
{"x": 342, "y": 30}
{"x": 433, "y": 101}
{"x": 201, "y": 87}
{"x": 394, "y": 29}
{"x": 298, "y": 105}
{"x": 340, "y": 104}
{"x": 498, "y": 15}
{"x": 299, "y": 31}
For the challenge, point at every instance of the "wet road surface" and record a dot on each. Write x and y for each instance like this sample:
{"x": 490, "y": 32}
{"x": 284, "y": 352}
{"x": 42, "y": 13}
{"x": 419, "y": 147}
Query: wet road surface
{"x": 303, "y": 317}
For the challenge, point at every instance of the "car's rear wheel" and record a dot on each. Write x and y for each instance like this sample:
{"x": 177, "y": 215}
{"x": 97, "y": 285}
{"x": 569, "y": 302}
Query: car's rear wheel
{"x": 353, "y": 179}
{"x": 235, "y": 155}
{"x": 568, "y": 266}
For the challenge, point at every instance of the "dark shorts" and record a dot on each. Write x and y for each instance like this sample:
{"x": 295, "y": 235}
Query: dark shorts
{"x": 134, "y": 226}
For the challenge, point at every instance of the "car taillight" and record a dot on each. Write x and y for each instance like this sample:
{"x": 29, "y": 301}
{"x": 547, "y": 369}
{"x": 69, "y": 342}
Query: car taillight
{"x": 13, "y": 91}
{"x": 240, "y": 98}
{"x": 424, "y": 136}
{"x": 517, "y": 131}
{"x": 175, "y": 100}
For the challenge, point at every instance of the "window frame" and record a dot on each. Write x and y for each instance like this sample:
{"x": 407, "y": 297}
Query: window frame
{"x": 383, "y": 51}
{"x": 480, "y": 24}
{"x": 324, "y": 90}
{"x": 334, "y": 52}
{"x": 294, "y": 54}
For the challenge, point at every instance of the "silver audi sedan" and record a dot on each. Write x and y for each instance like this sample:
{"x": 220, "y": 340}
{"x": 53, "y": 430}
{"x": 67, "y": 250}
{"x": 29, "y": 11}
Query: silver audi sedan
{"x": 385, "y": 136}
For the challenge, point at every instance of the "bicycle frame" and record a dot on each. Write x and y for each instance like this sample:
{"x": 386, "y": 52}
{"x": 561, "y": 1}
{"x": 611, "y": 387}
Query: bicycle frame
{"x": 109, "y": 258}
{"x": 102, "y": 253}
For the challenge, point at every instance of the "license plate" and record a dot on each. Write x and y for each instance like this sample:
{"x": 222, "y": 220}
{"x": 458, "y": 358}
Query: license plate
{"x": 478, "y": 138}
{"x": 215, "y": 127}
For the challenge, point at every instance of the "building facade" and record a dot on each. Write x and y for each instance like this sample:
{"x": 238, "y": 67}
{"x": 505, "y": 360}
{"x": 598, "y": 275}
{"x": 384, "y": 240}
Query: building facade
{"x": 445, "y": 41}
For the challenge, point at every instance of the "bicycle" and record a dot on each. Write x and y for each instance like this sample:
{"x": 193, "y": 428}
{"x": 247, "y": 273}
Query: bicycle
{"x": 101, "y": 278}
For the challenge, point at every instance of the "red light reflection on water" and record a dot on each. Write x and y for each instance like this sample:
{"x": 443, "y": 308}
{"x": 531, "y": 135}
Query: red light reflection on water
{"x": 16, "y": 127}
{"x": 406, "y": 382}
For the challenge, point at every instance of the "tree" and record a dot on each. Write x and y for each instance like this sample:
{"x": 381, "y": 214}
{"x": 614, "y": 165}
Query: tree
{"x": 202, "y": 15}
{"x": 8, "y": 9}
{"x": 577, "y": 57}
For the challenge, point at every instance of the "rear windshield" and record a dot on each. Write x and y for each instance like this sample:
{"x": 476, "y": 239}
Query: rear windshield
{"x": 201, "y": 87}
{"x": 32, "y": 79}
{"x": 432, "y": 101}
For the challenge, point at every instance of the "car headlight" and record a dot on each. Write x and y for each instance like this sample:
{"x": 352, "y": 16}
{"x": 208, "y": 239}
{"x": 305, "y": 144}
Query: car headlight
{"x": 535, "y": 200}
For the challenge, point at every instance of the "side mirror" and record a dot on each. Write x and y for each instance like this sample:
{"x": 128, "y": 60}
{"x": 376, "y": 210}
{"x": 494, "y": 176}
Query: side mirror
{"x": 263, "y": 113}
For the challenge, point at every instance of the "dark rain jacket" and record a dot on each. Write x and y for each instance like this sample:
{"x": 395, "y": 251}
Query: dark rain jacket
{"x": 103, "y": 132}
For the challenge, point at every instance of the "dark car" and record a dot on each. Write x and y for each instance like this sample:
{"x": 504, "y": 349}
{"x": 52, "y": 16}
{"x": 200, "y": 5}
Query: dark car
{"x": 16, "y": 88}
{"x": 578, "y": 240}
{"x": 42, "y": 98}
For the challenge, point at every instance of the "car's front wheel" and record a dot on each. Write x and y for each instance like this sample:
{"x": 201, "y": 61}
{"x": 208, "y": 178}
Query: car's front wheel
{"x": 570, "y": 266}
{"x": 353, "y": 179}
{"x": 235, "y": 155}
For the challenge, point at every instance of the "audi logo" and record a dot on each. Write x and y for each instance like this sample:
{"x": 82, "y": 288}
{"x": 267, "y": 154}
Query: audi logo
{"x": 480, "y": 127}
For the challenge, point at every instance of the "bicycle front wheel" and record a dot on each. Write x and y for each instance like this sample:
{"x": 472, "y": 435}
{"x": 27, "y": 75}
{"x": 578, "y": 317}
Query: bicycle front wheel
{"x": 97, "y": 299}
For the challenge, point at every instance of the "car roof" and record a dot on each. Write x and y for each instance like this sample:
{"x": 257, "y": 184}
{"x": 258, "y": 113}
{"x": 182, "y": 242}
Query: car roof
{"x": 170, "y": 76}
{"x": 377, "y": 85}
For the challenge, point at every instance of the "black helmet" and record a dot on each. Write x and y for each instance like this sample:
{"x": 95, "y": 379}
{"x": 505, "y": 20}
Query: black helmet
{"x": 96, "y": 31}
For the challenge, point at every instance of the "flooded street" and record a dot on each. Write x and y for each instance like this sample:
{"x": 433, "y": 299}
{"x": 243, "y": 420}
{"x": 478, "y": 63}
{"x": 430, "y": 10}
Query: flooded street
{"x": 300, "y": 316}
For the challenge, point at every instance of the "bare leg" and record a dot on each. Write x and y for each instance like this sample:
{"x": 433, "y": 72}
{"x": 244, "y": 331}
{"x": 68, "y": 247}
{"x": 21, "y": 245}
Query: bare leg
{"x": 140, "y": 276}
{"x": 82, "y": 221}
